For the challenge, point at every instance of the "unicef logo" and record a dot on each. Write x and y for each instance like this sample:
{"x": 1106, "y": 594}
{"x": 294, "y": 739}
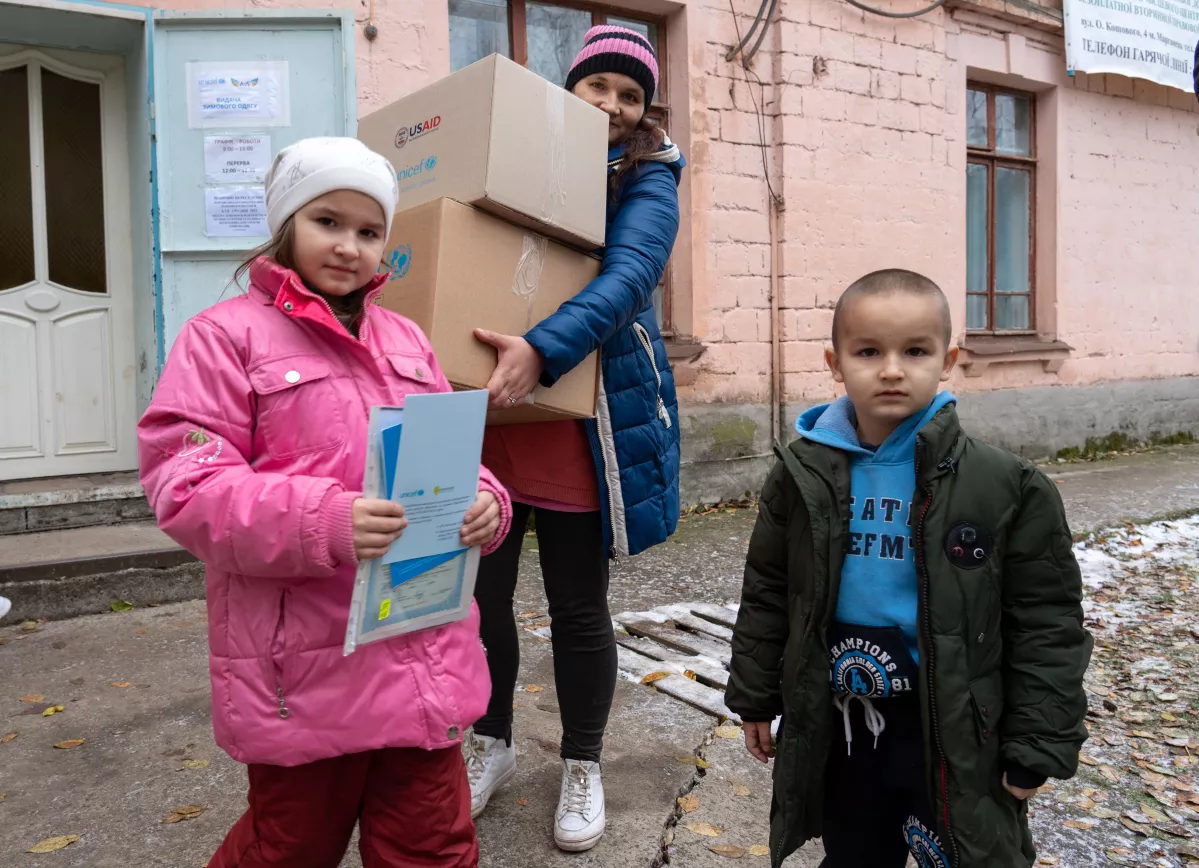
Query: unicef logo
{"x": 430, "y": 164}
{"x": 399, "y": 262}
{"x": 860, "y": 674}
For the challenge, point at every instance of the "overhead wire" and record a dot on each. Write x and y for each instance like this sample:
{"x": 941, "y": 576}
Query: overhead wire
{"x": 857, "y": 4}
{"x": 748, "y": 70}
{"x": 749, "y": 34}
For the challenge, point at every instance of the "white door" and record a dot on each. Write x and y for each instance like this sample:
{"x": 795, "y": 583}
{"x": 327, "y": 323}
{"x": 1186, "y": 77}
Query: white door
{"x": 67, "y": 378}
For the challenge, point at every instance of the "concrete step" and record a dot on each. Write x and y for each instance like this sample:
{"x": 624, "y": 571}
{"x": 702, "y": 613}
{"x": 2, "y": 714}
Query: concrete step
{"x": 34, "y": 505}
{"x": 76, "y": 571}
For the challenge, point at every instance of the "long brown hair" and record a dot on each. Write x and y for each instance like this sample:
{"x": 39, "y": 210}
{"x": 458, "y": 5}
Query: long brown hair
{"x": 280, "y": 248}
{"x": 645, "y": 140}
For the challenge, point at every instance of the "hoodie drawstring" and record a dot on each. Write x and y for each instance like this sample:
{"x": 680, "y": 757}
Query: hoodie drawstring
{"x": 874, "y": 718}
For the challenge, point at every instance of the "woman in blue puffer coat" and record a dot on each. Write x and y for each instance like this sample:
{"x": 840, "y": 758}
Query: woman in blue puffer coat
{"x": 599, "y": 489}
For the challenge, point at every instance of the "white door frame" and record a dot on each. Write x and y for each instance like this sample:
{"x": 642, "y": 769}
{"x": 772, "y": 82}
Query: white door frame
{"x": 48, "y": 454}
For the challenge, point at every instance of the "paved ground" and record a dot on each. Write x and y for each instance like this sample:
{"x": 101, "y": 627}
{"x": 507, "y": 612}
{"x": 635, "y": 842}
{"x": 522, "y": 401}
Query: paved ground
{"x": 148, "y": 745}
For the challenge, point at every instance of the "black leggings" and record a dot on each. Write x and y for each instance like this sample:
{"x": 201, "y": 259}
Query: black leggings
{"x": 575, "y": 569}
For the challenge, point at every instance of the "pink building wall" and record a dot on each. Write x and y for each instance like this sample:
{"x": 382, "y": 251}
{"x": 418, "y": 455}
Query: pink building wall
{"x": 864, "y": 129}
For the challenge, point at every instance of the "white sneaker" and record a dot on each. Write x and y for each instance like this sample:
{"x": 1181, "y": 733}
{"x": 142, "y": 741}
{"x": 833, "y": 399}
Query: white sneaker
{"x": 490, "y": 763}
{"x": 581, "y": 817}
{"x": 5, "y": 605}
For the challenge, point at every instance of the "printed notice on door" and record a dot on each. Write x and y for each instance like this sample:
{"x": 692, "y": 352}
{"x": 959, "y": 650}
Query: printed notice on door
{"x": 236, "y": 159}
{"x": 1150, "y": 39}
{"x": 238, "y": 94}
{"x": 235, "y": 212}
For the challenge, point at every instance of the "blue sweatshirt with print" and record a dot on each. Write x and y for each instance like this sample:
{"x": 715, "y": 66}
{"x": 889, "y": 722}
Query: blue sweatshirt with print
{"x": 878, "y": 580}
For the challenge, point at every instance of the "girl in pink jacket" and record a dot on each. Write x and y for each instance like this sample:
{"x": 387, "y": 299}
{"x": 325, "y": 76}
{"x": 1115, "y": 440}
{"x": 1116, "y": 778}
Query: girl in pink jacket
{"x": 252, "y": 453}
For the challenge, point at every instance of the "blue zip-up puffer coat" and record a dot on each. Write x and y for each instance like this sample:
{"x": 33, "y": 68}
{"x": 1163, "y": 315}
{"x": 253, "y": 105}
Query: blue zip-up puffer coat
{"x": 635, "y": 435}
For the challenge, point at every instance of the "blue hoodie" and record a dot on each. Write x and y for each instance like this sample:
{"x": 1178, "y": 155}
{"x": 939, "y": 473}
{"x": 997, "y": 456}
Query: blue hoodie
{"x": 878, "y": 580}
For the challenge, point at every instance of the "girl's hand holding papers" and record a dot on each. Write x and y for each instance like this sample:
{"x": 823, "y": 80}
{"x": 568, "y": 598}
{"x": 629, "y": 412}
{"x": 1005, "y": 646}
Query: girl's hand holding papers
{"x": 377, "y": 524}
{"x": 482, "y": 521}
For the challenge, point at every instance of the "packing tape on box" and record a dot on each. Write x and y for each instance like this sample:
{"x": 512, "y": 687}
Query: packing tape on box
{"x": 527, "y": 278}
{"x": 555, "y": 189}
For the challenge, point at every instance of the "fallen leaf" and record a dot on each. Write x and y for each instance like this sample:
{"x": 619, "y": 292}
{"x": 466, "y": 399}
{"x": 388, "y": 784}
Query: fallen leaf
{"x": 687, "y": 673}
{"x": 1176, "y": 829}
{"x": 728, "y": 732}
{"x": 654, "y": 676}
{"x": 1078, "y": 824}
{"x": 49, "y": 845}
{"x": 1048, "y": 860}
{"x": 121, "y": 684}
{"x": 1087, "y": 760}
{"x": 121, "y": 606}
{"x": 1103, "y": 813}
{"x": 522, "y": 802}
{"x": 729, "y": 851}
{"x": 6, "y": 739}
{"x": 34, "y": 697}
{"x": 53, "y": 709}
{"x": 184, "y": 812}
{"x": 1154, "y": 814}
{"x": 688, "y": 803}
{"x": 69, "y": 744}
{"x": 30, "y": 627}
{"x": 534, "y": 688}
{"x": 705, "y": 829}
{"x": 739, "y": 790}
{"x": 1134, "y": 826}
{"x": 759, "y": 850}
{"x": 1110, "y": 773}
{"x": 195, "y": 764}
{"x": 141, "y": 631}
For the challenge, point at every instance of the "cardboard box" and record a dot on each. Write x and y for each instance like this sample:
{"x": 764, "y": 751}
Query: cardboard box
{"x": 500, "y": 137}
{"x": 455, "y": 269}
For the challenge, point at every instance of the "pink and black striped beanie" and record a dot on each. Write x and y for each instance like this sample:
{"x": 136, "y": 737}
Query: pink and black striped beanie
{"x": 608, "y": 48}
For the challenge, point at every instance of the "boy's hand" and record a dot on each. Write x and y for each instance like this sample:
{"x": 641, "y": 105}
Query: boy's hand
{"x": 377, "y": 524}
{"x": 758, "y": 740}
{"x": 1019, "y": 792}
{"x": 482, "y": 520}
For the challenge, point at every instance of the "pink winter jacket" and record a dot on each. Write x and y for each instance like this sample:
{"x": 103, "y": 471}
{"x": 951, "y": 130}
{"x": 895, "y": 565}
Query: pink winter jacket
{"x": 252, "y": 453}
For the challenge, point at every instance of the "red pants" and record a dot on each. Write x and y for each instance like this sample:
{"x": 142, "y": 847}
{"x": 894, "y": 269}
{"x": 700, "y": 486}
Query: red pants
{"x": 412, "y": 806}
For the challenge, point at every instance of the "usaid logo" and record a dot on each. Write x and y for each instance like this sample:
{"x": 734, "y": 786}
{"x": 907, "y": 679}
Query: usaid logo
{"x": 406, "y": 134}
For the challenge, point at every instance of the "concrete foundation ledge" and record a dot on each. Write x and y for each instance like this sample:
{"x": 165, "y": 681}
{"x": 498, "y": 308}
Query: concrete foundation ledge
{"x": 68, "y": 597}
{"x": 726, "y": 448}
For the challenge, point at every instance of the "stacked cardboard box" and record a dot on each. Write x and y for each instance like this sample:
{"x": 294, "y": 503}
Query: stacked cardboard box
{"x": 502, "y": 183}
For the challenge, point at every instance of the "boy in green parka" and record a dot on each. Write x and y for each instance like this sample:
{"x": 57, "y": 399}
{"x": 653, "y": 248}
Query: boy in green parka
{"x": 912, "y": 609}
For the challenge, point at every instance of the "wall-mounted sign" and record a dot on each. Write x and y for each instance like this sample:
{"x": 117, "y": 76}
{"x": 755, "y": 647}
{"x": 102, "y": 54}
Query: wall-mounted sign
{"x": 1150, "y": 39}
{"x": 238, "y": 94}
{"x": 235, "y": 212}
{"x": 236, "y": 159}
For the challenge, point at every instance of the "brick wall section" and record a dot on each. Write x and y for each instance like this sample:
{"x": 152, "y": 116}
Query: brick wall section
{"x": 1135, "y": 184}
{"x": 864, "y": 126}
{"x": 857, "y": 95}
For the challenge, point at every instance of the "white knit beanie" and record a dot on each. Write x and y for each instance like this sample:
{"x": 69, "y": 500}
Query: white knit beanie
{"x": 313, "y": 167}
